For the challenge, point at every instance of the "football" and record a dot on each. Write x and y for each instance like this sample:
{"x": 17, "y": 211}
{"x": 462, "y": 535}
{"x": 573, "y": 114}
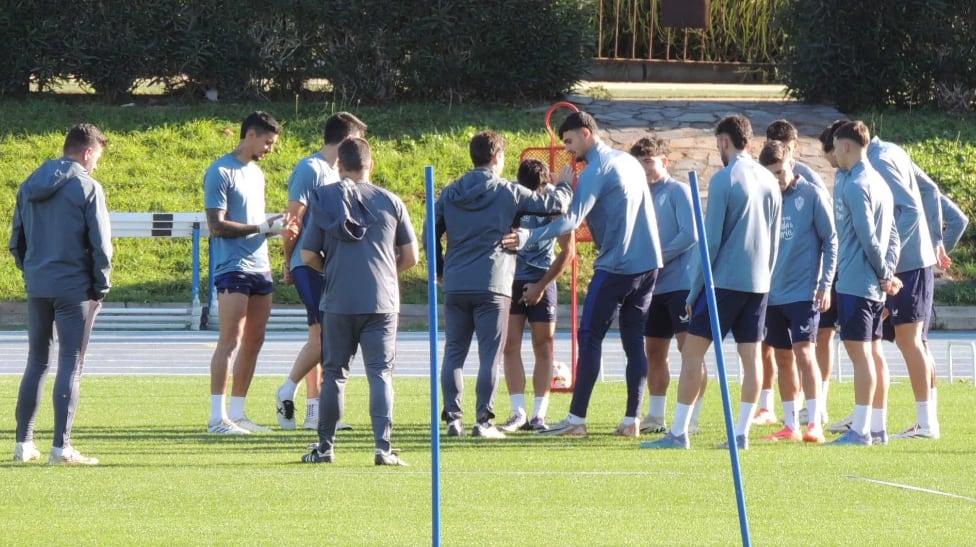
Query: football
{"x": 562, "y": 376}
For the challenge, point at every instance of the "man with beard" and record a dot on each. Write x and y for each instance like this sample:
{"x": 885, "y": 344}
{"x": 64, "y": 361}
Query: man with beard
{"x": 742, "y": 232}
{"x": 612, "y": 195}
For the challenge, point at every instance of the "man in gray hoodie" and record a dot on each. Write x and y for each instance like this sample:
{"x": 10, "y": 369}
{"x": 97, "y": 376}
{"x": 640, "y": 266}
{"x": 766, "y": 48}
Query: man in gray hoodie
{"x": 360, "y": 236}
{"x": 476, "y": 211}
{"x": 62, "y": 241}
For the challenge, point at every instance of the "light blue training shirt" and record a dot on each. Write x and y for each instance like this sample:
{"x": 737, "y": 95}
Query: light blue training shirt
{"x": 955, "y": 222}
{"x": 534, "y": 260}
{"x": 949, "y": 213}
{"x": 895, "y": 168}
{"x": 807, "y": 256}
{"x": 742, "y": 226}
{"x": 676, "y": 229}
{"x": 808, "y": 174}
{"x": 310, "y": 173}
{"x": 238, "y": 189}
{"x": 612, "y": 195}
{"x": 867, "y": 237}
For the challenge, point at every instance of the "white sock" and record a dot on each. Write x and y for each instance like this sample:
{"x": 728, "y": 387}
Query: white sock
{"x": 541, "y": 407}
{"x": 922, "y": 413}
{"x": 682, "y": 416}
{"x": 697, "y": 410}
{"x": 629, "y": 420}
{"x": 313, "y": 408}
{"x": 518, "y": 403}
{"x": 574, "y": 419}
{"x": 236, "y": 408}
{"x": 862, "y": 419}
{"x": 217, "y": 412}
{"x": 657, "y": 406}
{"x": 934, "y": 407}
{"x": 824, "y": 388}
{"x": 790, "y": 414}
{"x": 746, "y": 411}
{"x": 287, "y": 390}
{"x": 879, "y": 419}
{"x": 766, "y": 399}
{"x": 813, "y": 411}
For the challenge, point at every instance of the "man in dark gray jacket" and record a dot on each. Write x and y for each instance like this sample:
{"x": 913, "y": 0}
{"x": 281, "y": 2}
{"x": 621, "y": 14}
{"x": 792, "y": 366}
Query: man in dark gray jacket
{"x": 62, "y": 241}
{"x": 476, "y": 211}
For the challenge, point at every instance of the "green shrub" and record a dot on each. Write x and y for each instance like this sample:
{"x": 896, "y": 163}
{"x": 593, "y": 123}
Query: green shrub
{"x": 860, "y": 55}
{"x": 370, "y": 50}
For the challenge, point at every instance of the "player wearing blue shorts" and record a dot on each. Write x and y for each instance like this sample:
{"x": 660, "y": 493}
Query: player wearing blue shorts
{"x": 233, "y": 193}
{"x": 534, "y": 300}
{"x": 612, "y": 195}
{"x": 868, "y": 252}
{"x": 921, "y": 245}
{"x": 742, "y": 226}
{"x": 786, "y": 133}
{"x": 800, "y": 290}
{"x": 311, "y": 173}
{"x": 666, "y": 318}
{"x": 955, "y": 222}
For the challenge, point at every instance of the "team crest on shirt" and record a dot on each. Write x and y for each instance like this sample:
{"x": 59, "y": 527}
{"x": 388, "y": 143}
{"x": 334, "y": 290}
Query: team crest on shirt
{"x": 786, "y": 228}
{"x": 798, "y": 202}
{"x": 662, "y": 199}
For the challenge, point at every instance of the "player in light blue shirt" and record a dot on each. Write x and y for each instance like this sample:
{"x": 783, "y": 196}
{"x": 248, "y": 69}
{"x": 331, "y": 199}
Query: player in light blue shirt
{"x": 534, "y": 301}
{"x": 233, "y": 190}
{"x": 310, "y": 173}
{"x": 909, "y": 310}
{"x": 666, "y": 318}
{"x": 742, "y": 226}
{"x": 800, "y": 290}
{"x": 868, "y": 253}
{"x": 613, "y": 197}
{"x": 786, "y": 133}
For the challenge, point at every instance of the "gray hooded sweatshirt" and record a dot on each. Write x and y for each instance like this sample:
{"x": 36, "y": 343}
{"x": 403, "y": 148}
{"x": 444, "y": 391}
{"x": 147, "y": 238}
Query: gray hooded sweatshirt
{"x": 62, "y": 237}
{"x": 476, "y": 211}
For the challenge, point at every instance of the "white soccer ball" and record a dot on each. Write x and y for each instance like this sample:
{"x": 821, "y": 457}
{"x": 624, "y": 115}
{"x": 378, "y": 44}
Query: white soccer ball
{"x": 562, "y": 375}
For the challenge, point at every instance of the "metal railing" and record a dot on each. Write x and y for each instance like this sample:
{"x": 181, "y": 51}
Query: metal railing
{"x": 739, "y": 31}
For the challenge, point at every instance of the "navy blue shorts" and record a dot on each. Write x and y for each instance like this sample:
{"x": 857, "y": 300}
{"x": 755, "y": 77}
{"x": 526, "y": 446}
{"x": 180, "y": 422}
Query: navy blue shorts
{"x": 913, "y": 303}
{"x": 743, "y": 313}
{"x": 888, "y": 330}
{"x": 860, "y": 318}
{"x": 666, "y": 316}
{"x": 249, "y": 283}
{"x": 542, "y": 312}
{"x": 828, "y": 319}
{"x": 788, "y": 324}
{"x": 309, "y": 283}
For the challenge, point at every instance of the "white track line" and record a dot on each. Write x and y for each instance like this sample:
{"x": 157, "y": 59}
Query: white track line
{"x": 913, "y": 488}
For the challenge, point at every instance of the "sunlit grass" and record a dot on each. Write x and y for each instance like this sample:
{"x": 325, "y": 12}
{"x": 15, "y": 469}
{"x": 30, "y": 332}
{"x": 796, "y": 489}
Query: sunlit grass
{"x": 164, "y": 481}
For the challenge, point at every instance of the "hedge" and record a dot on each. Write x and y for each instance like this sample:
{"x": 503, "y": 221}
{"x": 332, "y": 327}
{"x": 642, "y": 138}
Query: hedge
{"x": 864, "y": 55}
{"x": 370, "y": 50}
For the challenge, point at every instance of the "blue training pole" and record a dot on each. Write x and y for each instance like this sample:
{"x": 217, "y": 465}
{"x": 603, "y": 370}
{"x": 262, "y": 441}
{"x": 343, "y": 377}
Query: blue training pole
{"x": 435, "y": 432}
{"x": 723, "y": 380}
